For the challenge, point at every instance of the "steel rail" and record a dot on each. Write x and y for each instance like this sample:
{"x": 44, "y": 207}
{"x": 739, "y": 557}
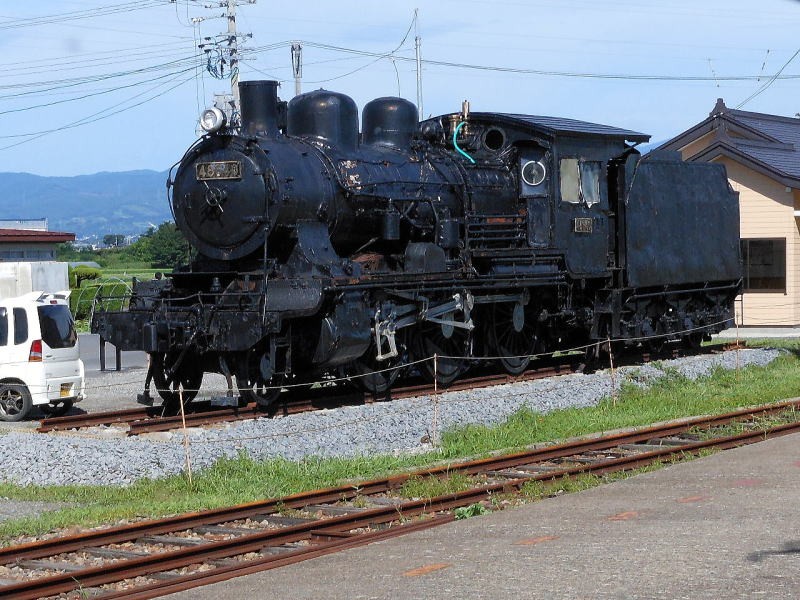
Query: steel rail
{"x": 166, "y": 561}
{"x": 220, "y": 574}
{"x": 91, "y": 419}
{"x": 142, "y": 420}
{"x": 122, "y": 533}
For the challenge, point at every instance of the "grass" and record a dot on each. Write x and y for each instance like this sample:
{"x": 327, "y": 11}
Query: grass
{"x": 430, "y": 487}
{"x": 240, "y": 479}
{"x": 142, "y": 272}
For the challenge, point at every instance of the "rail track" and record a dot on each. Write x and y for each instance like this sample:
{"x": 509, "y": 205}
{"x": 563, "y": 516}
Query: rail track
{"x": 152, "y": 558}
{"x": 149, "y": 420}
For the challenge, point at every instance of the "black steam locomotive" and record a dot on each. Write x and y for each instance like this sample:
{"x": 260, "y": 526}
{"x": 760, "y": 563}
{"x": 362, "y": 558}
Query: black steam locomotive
{"x": 321, "y": 251}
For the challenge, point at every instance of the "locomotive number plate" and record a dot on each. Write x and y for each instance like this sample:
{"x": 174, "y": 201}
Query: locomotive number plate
{"x": 582, "y": 225}
{"x": 222, "y": 169}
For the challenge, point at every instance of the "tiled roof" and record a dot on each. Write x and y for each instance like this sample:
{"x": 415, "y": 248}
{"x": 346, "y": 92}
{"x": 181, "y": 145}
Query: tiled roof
{"x": 783, "y": 157}
{"x": 769, "y": 143}
{"x": 32, "y": 236}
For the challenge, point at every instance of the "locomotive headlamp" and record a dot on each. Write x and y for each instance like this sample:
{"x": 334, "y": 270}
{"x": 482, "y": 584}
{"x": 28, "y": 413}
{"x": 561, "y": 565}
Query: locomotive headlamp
{"x": 212, "y": 119}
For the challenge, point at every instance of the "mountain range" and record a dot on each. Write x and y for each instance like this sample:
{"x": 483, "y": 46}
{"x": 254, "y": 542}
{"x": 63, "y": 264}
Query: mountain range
{"x": 90, "y": 206}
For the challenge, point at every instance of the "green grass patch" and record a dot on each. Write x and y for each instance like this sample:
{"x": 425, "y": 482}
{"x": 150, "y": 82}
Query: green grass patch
{"x": 238, "y": 480}
{"x": 430, "y": 487}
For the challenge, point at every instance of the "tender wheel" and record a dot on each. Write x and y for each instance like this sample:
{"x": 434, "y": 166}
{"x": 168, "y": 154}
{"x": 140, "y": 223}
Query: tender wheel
{"x": 256, "y": 380}
{"x": 15, "y": 402}
{"x": 694, "y": 340}
{"x": 656, "y": 344}
{"x": 59, "y": 409}
{"x": 514, "y": 336}
{"x": 441, "y": 340}
{"x": 658, "y": 340}
{"x": 171, "y": 378}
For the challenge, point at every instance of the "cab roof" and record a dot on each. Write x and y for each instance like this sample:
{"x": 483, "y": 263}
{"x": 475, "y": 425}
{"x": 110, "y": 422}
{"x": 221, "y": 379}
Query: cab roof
{"x": 559, "y": 126}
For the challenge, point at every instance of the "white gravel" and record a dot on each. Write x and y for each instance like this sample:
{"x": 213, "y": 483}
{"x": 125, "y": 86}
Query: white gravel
{"x": 396, "y": 427}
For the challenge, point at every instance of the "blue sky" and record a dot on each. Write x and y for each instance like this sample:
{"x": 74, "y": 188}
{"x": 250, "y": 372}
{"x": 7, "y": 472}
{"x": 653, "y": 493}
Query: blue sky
{"x": 113, "y": 85}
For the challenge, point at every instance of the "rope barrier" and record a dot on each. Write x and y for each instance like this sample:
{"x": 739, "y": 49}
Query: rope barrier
{"x": 387, "y": 411}
{"x": 435, "y": 358}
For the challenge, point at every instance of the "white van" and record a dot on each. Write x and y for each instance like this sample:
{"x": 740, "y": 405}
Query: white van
{"x": 39, "y": 358}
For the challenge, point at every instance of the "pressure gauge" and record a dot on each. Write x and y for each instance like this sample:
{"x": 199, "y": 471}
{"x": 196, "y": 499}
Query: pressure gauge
{"x": 533, "y": 172}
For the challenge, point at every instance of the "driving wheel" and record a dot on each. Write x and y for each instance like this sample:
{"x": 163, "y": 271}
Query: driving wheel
{"x": 513, "y": 335}
{"x": 448, "y": 343}
{"x": 176, "y": 376}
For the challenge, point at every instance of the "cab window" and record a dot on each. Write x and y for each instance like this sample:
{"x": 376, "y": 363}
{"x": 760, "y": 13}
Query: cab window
{"x": 58, "y": 328}
{"x": 570, "y": 184}
{"x": 580, "y": 181}
{"x": 590, "y": 182}
{"x": 20, "y": 326}
{"x": 3, "y": 327}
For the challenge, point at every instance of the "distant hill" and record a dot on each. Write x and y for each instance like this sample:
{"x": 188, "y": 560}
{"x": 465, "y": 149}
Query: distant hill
{"x": 91, "y": 206}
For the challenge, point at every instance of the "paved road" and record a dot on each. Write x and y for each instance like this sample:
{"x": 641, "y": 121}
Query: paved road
{"x": 724, "y": 526}
{"x": 90, "y": 354}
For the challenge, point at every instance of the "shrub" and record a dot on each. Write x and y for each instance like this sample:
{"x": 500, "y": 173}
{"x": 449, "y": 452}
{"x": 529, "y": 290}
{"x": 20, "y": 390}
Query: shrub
{"x": 81, "y": 273}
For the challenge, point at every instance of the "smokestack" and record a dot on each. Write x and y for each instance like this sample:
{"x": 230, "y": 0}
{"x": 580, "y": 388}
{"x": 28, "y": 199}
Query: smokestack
{"x": 259, "y": 106}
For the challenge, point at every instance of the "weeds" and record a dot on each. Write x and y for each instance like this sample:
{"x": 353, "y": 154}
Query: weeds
{"x": 241, "y": 479}
{"x": 473, "y": 510}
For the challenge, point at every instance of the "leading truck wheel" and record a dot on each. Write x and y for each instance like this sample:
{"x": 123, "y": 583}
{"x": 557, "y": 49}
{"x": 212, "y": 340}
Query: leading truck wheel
{"x": 256, "y": 380}
{"x": 15, "y": 402}
{"x": 175, "y": 380}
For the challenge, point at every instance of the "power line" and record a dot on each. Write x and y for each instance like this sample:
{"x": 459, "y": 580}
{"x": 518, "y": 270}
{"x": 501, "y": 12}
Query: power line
{"x": 99, "y": 11}
{"x": 769, "y": 82}
{"x": 585, "y": 75}
{"x": 116, "y": 56}
{"x": 76, "y": 81}
{"x": 98, "y": 93}
{"x": 98, "y": 116}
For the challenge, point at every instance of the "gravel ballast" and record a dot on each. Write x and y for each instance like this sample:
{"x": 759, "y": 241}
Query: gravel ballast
{"x": 396, "y": 427}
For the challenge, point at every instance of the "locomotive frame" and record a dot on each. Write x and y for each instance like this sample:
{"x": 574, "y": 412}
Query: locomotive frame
{"x": 322, "y": 250}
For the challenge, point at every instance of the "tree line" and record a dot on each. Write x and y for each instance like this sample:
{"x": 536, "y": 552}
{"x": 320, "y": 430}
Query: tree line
{"x": 162, "y": 247}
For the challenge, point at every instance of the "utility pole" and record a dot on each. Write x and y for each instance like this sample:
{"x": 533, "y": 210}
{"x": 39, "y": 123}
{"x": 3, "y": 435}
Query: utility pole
{"x": 223, "y": 49}
{"x": 297, "y": 66}
{"x": 418, "y": 54}
{"x": 233, "y": 53}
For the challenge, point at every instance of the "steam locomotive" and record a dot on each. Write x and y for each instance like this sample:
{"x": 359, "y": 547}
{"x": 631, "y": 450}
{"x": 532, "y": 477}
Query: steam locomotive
{"x": 322, "y": 251}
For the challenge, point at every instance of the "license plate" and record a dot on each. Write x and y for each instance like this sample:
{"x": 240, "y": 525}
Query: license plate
{"x": 221, "y": 169}
{"x": 66, "y": 390}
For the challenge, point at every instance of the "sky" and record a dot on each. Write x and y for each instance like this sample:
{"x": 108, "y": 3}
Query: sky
{"x": 118, "y": 85}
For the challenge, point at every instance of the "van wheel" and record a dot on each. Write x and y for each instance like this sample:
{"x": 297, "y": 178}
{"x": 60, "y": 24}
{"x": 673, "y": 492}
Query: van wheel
{"x": 15, "y": 402}
{"x": 59, "y": 409}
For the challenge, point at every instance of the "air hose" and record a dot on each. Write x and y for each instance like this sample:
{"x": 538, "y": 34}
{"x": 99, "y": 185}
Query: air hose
{"x": 455, "y": 142}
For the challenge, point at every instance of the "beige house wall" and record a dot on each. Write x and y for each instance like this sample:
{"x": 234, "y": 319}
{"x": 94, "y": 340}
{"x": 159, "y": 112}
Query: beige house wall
{"x": 767, "y": 211}
{"x": 697, "y": 145}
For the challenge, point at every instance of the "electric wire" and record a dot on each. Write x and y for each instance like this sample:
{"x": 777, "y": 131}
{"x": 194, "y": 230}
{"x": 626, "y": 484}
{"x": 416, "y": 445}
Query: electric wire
{"x": 101, "y": 11}
{"x": 97, "y": 116}
{"x": 769, "y": 82}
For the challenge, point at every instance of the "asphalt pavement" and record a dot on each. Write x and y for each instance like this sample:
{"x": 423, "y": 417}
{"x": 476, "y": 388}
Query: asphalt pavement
{"x": 723, "y": 526}
{"x": 90, "y": 354}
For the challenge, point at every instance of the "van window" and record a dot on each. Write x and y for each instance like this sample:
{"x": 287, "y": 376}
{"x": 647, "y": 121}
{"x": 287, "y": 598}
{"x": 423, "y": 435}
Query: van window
{"x": 3, "y": 327}
{"x": 58, "y": 328}
{"x": 20, "y": 326}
